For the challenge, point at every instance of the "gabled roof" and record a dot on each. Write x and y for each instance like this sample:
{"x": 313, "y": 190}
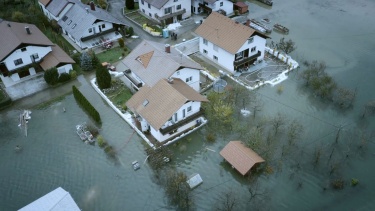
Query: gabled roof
{"x": 240, "y": 156}
{"x": 13, "y": 35}
{"x": 157, "y": 104}
{"x": 157, "y": 3}
{"x": 224, "y": 32}
{"x": 45, "y": 2}
{"x": 160, "y": 65}
{"x": 83, "y": 19}
{"x": 56, "y": 57}
{"x": 56, "y": 200}
{"x": 56, "y": 6}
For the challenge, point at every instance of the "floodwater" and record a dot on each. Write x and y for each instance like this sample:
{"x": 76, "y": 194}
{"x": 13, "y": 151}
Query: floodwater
{"x": 337, "y": 32}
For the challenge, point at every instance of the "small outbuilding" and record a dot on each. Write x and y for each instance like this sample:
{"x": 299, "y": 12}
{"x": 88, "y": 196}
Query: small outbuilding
{"x": 241, "y": 7}
{"x": 240, "y": 156}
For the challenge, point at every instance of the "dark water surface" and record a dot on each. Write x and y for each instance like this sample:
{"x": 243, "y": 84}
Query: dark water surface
{"x": 341, "y": 33}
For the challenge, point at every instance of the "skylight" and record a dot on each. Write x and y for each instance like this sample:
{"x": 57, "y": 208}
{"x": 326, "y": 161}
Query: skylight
{"x": 74, "y": 25}
{"x": 145, "y": 103}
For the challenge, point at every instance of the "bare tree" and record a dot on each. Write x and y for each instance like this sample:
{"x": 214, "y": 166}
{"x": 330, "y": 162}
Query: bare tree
{"x": 277, "y": 122}
{"x": 344, "y": 98}
{"x": 295, "y": 130}
{"x": 227, "y": 201}
{"x": 256, "y": 103}
{"x": 369, "y": 108}
{"x": 286, "y": 46}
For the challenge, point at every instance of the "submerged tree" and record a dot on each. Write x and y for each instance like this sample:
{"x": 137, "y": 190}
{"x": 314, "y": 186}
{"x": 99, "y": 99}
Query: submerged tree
{"x": 278, "y": 122}
{"x": 295, "y": 130}
{"x": 344, "y": 98}
{"x": 286, "y": 46}
{"x": 369, "y": 108}
{"x": 177, "y": 189}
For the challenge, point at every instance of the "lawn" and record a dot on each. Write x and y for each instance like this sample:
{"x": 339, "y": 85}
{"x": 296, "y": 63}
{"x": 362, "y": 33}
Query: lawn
{"x": 118, "y": 94}
{"x": 112, "y": 55}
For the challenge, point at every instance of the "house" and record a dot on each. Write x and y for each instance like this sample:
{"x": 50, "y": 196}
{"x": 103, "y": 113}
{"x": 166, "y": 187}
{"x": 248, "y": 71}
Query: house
{"x": 86, "y": 25}
{"x": 25, "y": 51}
{"x": 150, "y": 61}
{"x": 241, "y": 7}
{"x": 240, "y": 156}
{"x": 224, "y": 7}
{"x": 166, "y": 11}
{"x": 56, "y": 200}
{"x": 167, "y": 109}
{"x": 230, "y": 44}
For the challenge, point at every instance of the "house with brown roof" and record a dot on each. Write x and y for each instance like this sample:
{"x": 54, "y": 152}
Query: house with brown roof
{"x": 88, "y": 26}
{"x": 224, "y": 7}
{"x": 25, "y": 51}
{"x": 150, "y": 62}
{"x": 241, "y": 157}
{"x": 166, "y": 11}
{"x": 230, "y": 44}
{"x": 167, "y": 109}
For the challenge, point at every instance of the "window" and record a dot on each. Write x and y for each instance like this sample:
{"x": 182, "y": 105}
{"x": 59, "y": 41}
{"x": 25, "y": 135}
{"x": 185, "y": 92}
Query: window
{"x": 103, "y": 26}
{"x": 74, "y": 25}
{"x": 215, "y": 58}
{"x": 69, "y": 22}
{"x": 179, "y": 6}
{"x": 90, "y": 30}
{"x": 175, "y": 0}
{"x": 150, "y": 14}
{"x": 23, "y": 49}
{"x": 143, "y": 10}
{"x": 221, "y": 4}
{"x": 189, "y": 109}
{"x": 189, "y": 79}
{"x": 178, "y": 72}
{"x": 65, "y": 18}
{"x": 250, "y": 40}
{"x": 253, "y": 49}
{"x": 215, "y": 47}
{"x": 168, "y": 10}
{"x": 143, "y": 2}
{"x": 239, "y": 55}
{"x": 205, "y": 41}
{"x": 149, "y": 5}
{"x": 18, "y": 62}
{"x": 205, "y": 51}
{"x": 35, "y": 56}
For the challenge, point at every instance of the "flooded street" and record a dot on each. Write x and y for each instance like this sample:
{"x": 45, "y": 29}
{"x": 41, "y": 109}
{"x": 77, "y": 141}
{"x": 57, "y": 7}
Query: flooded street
{"x": 338, "y": 32}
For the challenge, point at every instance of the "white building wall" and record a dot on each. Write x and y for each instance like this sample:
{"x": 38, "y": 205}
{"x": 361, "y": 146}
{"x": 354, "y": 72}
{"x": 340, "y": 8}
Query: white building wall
{"x": 95, "y": 28}
{"x": 65, "y": 68}
{"x": 185, "y": 74}
{"x": 195, "y": 6}
{"x": 227, "y": 6}
{"x": 26, "y": 56}
{"x": 150, "y": 12}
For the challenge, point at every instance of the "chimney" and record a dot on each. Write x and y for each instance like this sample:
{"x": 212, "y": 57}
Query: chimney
{"x": 27, "y": 30}
{"x": 87, "y": 10}
{"x": 248, "y": 22}
{"x": 92, "y": 5}
{"x": 8, "y": 24}
{"x": 170, "y": 80}
{"x": 167, "y": 48}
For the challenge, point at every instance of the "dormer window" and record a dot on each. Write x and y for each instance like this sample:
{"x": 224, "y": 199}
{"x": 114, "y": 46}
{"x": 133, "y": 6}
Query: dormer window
{"x": 69, "y": 22}
{"x": 145, "y": 103}
{"x": 74, "y": 25}
{"x": 65, "y": 18}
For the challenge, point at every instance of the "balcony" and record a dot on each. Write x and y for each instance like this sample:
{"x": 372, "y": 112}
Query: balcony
{"x": 170, "y": 15}
{"x": 83, "y": 39}
{"x": 182, "y": 122}
{"x": 205, "y": 8}
{"x": 250, "y": 59}
{"x": 135, "y": 82}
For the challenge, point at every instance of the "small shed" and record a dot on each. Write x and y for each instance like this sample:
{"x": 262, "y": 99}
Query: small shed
{"x": 194, "y": 180}
{"x": 241, "y": 7}
{"x": 240, "y": 156}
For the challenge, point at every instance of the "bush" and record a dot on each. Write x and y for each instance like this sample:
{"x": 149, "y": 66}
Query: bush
{"x": 129, "y": 4}
{"x": 110, "y": 151}
{"x": 103, "y": 78}
{"x": 338, "y": 184}
{"x": 51, "y": 76}
{"x": 210, "y": 137}
{"x": 121, "y": 42}
{"x": 101, "y": 142}
{"x": 86, "y": 105}
{"x": 77, "y": 57}
{"x": 354, "y": 182}
{"x": 130, "y": 31}
{"x": 86, "y": 62}
{"x": 64, "y": 77}
{"x": 73, "y": 74}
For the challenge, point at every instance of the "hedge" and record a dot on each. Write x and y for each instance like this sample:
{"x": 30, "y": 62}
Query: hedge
{"x": 86, "y": 105}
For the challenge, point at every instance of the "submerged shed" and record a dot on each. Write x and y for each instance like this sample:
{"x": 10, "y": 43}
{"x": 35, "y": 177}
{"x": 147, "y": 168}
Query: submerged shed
{"x": 241, "y": 7}
{"x": 194, "y": 180}
{"x": 240, "y": 156}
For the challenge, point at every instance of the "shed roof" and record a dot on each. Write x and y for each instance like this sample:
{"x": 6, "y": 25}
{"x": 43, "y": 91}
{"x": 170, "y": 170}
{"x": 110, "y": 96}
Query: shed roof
{"x": 157, "y": 104}
{"x": 224, "y": 32}
{"x": 241, "y": 4}
{"x": 56, "y": 200}
{"x": 240, "y": 156}
{"x": 44, "y": 2}
{"x": 56, "y": 57}
{"x": 13, "y": 35}
{"x": 150, "y": 62}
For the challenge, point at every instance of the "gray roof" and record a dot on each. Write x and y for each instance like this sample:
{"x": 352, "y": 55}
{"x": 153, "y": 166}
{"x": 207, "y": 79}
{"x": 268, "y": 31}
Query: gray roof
{"x": 157, "y": 3}
{"x": 57, "y": 200}
{"x": 56, "y": 6}
{"x": 83, "y": 19}
{"x": 150, "y": 62}
{"x": 13, "y": 34}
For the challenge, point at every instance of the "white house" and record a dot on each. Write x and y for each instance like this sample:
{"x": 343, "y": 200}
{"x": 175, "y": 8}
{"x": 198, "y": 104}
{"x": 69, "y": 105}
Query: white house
{"x": 166, "y": 11}
{"x": 150, "y": 61}
{"x": 86, "y": 25}
{"x": 230, "y": 44}
{"x": 26, "y": 51}
{"x": 167, "y": 109}
{"x": 224, "y": 7}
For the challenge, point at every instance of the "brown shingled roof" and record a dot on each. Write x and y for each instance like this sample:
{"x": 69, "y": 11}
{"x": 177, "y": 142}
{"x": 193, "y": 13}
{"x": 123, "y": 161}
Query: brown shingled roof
{"x": 13, "y": 34}
{"x": 240, "y": 156}
{"x": 224, "y": 32}
{"x": 56, "y": 57}
{"x": 163, "y": 100}
{"x": 44, "y": 2}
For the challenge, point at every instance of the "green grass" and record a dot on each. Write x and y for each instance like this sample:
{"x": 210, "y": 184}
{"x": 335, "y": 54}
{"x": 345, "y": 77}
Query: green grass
{"x": 120, "y": 94}
{"x": 112, "y": 55}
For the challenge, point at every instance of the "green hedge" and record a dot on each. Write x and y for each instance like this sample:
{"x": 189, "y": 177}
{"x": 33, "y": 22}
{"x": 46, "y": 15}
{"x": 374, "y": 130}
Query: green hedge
{"x": 86, "y": 104}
